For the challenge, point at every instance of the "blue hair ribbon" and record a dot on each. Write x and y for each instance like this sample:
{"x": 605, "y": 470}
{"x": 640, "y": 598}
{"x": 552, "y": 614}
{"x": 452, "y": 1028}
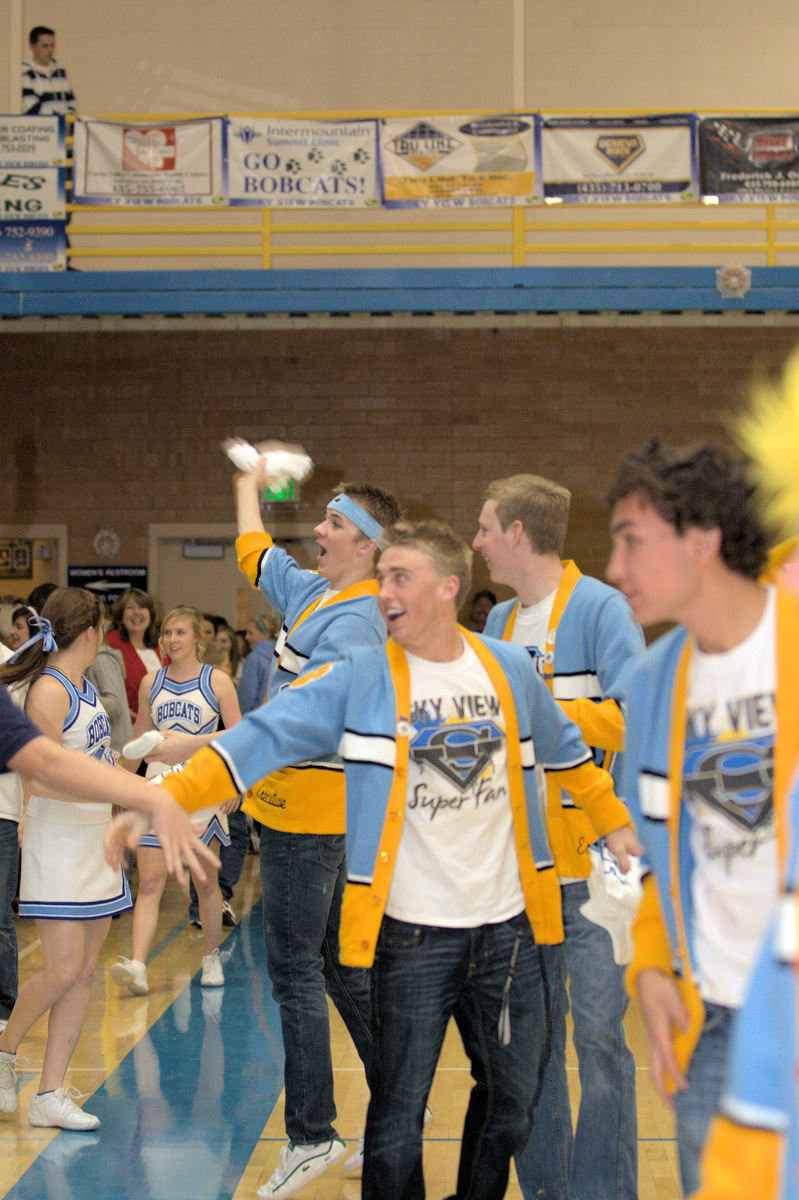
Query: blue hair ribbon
{"x": 45, "y": 636}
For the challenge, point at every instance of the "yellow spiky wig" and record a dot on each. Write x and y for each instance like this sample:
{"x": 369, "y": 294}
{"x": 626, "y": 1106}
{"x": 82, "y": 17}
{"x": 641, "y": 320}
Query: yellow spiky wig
{"x": 768, "y": 432}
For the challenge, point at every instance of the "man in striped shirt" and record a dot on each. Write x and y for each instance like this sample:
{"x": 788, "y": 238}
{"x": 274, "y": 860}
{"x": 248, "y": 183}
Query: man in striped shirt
{"x": 46, "y": 91}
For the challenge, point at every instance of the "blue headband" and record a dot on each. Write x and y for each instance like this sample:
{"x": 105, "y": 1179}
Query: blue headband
{"x": 45, "y": 636}
{"x": 359, "y": 516}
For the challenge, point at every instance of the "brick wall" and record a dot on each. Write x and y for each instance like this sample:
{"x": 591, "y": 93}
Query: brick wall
{"x": 117, "y": 430}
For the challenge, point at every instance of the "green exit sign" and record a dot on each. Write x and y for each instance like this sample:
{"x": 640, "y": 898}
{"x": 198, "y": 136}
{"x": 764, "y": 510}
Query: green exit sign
{"x": 285, "y": 493}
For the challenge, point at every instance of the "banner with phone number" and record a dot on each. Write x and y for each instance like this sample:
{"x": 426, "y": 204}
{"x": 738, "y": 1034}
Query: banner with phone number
{"x": 748, "y": 160}
{"x": 606, "y": 160}
{"x": 32, "y": 193}
{"x": 33, "y": 246}
{"x": 149, "y": 163}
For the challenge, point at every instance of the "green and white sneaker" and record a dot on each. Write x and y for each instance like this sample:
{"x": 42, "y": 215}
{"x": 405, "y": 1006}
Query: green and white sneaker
{"x": 298, "y": 1165}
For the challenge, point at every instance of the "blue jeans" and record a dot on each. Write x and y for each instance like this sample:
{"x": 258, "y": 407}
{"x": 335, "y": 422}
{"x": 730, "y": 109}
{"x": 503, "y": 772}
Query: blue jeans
{"x": 600, "y": 1160}
{"x": 706, "y": 1075}
{"x": 422, "y": 976}
{"x": 231, "y": 860}
{"x": 302, "y": 880}
{"x": 9, "y": 878}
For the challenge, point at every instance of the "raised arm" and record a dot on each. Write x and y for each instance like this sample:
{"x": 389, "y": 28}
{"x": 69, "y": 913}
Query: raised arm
{"x": 248, "y": 488}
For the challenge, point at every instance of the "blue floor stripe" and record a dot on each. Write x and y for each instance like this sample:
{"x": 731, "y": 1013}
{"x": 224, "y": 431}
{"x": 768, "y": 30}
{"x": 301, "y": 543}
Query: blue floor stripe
{"x": 184, "y": 1110}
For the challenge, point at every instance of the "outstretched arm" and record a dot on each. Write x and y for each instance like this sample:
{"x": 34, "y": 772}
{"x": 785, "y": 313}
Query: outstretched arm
{"x": 82, "y": 778}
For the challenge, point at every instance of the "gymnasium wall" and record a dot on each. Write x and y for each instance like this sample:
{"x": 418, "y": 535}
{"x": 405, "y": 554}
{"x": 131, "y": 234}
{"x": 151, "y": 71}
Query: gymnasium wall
{"x": 121, "y": 429}
{"x": 165, "y": 56}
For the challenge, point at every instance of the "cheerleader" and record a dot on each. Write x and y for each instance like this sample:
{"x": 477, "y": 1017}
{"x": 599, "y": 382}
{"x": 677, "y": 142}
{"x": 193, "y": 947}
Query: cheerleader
{"x": 66, "y": 884}
{"x": 183, "y": 702}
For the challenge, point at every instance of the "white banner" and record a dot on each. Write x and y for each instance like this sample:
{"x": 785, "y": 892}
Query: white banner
{"x": 157, "y": 162}
{"x": 279, "y": 163}
{"x": 458, "y": 162}
{"x": 32, "y": 141}
{"x": 32, "y": 193}
{"x": 600, "y": 160}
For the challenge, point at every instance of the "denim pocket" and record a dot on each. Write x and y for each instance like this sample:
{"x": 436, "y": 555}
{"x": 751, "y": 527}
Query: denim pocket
{"x": 715, "y": 1016}
{"x": 329, "y": 850}
{"x": 520, "y": 924}
{"x": 401, "y": 935}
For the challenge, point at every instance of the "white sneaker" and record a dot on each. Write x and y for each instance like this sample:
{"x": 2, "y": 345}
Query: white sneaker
{"x": 132, "y": 974}
{"x": 355, "y": 1161}
{"x": 213, "y": 975}
{"x": 58, "y": 1109}
{"x": 8, "y": 1082}
{"x": 228, "y": 915}
{"x": 298, "y": 1165}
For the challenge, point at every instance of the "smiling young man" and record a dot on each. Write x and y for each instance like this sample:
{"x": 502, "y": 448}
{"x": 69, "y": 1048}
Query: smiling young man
{"x": 451, "y": 885}
{"x": 302, "y": 812}
{"x": 582, "y": 637}
{"x": 712, "y": 730}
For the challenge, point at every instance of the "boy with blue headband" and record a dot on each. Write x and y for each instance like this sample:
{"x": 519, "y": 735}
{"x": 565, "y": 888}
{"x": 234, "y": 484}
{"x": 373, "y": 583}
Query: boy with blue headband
{"x": 301, "y": 809}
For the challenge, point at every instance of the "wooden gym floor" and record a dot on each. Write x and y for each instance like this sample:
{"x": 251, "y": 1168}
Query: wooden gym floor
{"x": 187, "y": 1083}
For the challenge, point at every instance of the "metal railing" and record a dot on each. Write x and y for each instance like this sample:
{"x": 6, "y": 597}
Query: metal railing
{"x": 517, "y": 237}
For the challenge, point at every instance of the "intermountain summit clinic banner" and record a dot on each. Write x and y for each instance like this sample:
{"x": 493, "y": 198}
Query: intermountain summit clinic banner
{"x": 602, "y": 160}
{"x": 283, "y": 163}
{"x": 458, "y": 162}
{"x": 32, "y": 193}
{"x": 153, "y": 162}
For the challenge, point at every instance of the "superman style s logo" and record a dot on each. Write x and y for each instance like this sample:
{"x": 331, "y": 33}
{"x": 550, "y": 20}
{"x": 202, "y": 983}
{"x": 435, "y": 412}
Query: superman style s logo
{"x": 458, "y": 752}
{"x": 737, "y": 779}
